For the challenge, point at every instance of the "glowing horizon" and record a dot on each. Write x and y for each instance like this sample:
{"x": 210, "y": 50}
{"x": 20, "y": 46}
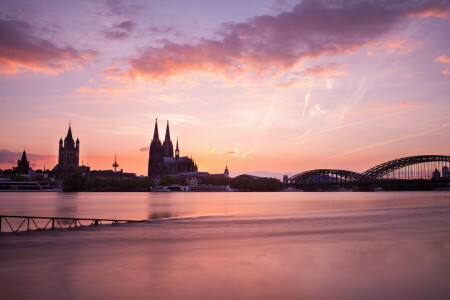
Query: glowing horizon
{"x": 273, "y": 86}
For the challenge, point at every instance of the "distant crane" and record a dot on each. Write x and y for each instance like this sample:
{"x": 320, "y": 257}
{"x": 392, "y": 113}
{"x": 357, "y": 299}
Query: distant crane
{"x": 115, "y": 164}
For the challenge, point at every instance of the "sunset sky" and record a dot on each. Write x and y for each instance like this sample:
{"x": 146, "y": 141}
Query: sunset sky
{"x": 259, "y": 85}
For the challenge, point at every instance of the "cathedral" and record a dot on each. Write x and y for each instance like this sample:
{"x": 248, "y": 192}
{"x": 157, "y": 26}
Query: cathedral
{"x": 162, "y": 160}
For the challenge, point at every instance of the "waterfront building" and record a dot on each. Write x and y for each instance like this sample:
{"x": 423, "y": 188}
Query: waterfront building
{"x": 162, "y": 161}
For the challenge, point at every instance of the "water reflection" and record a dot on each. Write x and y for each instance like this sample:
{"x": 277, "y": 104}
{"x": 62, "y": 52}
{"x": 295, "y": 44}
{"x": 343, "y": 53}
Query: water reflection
{"x": 244, "y": 246}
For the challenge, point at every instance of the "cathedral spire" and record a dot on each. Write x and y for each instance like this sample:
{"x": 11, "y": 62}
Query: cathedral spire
{"x": 167, "y": 132}
{"x": 24, "y": 156}
{"x": 177, "y": 150}
{"x": 156, "y": 134}
{"x": 69, "y": 133}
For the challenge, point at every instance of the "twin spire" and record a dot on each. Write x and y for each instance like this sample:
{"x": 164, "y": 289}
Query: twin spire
{"x": 156, "y": 134}
{"x": 167, "y": 146}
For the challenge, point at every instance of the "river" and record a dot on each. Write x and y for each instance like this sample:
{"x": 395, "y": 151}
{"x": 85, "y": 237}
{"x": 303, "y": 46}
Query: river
{"x": 382, "y": 245}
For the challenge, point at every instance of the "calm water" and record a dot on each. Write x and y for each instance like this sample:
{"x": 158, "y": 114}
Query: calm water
{"x": 232, "y": 246}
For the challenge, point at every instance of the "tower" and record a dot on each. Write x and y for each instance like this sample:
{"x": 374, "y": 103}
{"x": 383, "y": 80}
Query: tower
{"x": 226, "y": 173}
{"x": 23, "y": 164}
{"x": 156, "y": 153}
{"x": 69, "y": 151}
{"x": 167, "y": 145}
{"x": 177, "y": 151}
{"x": 115, "y": 164}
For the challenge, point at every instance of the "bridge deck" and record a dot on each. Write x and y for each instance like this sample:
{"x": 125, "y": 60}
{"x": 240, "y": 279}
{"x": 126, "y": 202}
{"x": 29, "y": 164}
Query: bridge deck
{"x": 54, "y": 222}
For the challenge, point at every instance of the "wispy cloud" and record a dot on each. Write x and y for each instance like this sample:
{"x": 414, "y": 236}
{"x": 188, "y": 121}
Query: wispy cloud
{"x": 247, "y": 153}
{"x": 175, "y": 118}
{"x": 306, "y": 105}
{"x": 327, "y": 70}
{"x": 311, "y": 133}
{"x": 390, "y": 141}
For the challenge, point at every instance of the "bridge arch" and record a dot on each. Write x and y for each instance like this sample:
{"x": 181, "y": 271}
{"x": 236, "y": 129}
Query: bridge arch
{"x": 412, "y": 167}
{"x": 324, "y": 176}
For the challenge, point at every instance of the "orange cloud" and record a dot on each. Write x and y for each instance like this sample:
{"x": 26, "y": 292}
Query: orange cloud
{"x": 111, "y": 70}
{"x": 21, "y": 50}
{"x": 443, "y": 59}
{"x": 399, "y": 47}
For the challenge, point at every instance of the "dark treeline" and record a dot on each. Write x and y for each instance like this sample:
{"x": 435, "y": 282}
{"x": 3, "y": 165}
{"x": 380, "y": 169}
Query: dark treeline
{"x": 245, "y": 183}
{"x": 76, "y": 182}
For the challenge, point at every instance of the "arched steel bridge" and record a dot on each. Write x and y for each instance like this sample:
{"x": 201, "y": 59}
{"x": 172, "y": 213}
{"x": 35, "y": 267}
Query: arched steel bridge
{"x": 325, "y": 176}
{"x": 406, "y": 168}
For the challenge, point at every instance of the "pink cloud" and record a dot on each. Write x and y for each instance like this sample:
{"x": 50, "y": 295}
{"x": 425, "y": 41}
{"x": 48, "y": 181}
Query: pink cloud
{"x": 404, "y": 103}
{"x": 145, "y": 149}
{"x": 21, "y": 49}
{"x": 273, "y": 43}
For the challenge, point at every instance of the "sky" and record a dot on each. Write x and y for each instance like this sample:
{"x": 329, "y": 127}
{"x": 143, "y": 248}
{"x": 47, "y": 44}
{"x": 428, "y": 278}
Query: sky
{"x": 274, "y": 86}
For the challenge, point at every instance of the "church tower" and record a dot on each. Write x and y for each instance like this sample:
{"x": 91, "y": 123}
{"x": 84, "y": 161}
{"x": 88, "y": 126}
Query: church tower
{"x": 156, "y": 153}
{"x": 69, "y": 151}
{"x": 167, "y": 145}
{"x": 23, "y": 164}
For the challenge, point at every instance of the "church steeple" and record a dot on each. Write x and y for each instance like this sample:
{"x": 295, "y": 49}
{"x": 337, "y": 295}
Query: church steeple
{"x": 167, "y": 145}
{"x": 156, "y": 134}
{"x": 69, "y": 133}
{"x": 177, "y": 150}
{"x": 167, "y": 132}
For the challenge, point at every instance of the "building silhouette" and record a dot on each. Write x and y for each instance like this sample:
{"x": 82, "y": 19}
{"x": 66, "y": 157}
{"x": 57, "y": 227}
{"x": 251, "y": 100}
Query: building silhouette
{"x": 69, "y": 158}
{"x": 161, "y": 159}
{"x": 69, "y": 151}
{"x": 23, "y": 165}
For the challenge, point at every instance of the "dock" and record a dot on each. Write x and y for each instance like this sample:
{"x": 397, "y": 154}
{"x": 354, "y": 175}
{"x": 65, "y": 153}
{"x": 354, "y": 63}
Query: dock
{"x": 8, "y": 224}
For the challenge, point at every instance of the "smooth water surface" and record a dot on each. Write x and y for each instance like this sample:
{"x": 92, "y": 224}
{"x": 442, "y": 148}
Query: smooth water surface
{"x": 231, "y": 246}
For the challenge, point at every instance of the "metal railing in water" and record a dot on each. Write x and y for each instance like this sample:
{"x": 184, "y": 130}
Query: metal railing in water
{"x": 31, "y": 223}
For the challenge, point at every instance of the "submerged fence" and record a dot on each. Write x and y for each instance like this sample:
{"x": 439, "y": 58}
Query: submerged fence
{"x": 13, "y": 224}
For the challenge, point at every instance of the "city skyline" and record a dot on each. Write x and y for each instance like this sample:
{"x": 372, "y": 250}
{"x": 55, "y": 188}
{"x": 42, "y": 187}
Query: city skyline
{"x": 256, "y": 86}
